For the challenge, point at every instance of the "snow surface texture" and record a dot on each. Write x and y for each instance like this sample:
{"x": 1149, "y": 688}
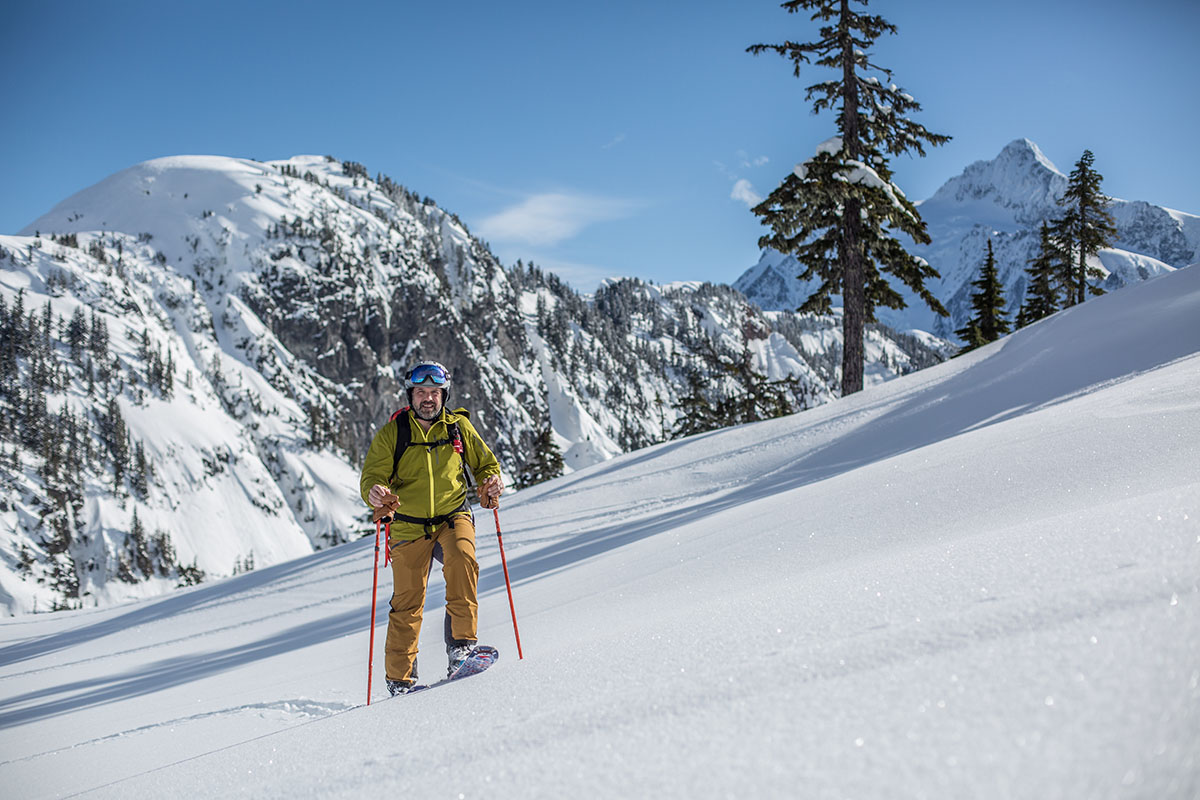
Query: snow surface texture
{"x": 979, "y": 580}
{"x": 1004, "y": 200}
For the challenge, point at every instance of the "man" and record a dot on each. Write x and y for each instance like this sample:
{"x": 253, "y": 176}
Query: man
{"x": 422, "y": 487}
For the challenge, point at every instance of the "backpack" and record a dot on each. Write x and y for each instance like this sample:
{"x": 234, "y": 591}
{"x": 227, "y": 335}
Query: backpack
{"x": 404, "y": 441}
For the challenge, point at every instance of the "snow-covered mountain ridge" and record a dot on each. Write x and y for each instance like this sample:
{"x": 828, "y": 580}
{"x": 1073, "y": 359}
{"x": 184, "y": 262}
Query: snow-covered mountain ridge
{"x": 1004, "y": 200}
{"x": 198, "y": 349}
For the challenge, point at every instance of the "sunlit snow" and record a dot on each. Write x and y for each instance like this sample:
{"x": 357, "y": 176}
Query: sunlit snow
{"x": 979, "y": 580}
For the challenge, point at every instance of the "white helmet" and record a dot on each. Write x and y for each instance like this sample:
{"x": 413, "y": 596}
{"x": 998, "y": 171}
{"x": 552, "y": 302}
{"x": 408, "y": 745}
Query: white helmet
{"x": 427, "y": 373}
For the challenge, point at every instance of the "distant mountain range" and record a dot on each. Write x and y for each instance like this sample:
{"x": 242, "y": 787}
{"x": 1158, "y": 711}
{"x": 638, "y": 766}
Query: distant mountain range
{"x": 197, "y": 351}
{"x": 1004, "y": 200}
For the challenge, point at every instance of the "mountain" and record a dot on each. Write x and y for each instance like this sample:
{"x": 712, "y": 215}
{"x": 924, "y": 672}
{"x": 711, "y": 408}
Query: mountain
{"x": 981, "y": 580}
{"x": 1005, "y": 200}
{"x": 197, "y": 350}
{"x": 214, "y": 342}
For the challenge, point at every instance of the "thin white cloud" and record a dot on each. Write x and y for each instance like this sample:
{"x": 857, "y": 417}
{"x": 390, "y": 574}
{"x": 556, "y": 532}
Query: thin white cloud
{"x": 743, "y": 192}
{"x": 620, "y": 137}
{"x": 746, "y": 162}
{"x": 547, "y": 219}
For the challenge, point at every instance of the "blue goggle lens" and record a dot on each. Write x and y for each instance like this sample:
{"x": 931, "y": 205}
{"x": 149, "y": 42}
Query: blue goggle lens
{"x": 428, "y": 373}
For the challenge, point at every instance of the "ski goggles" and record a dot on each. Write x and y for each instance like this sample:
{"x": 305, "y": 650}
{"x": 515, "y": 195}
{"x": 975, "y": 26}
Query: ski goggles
{"x": 427, "y": 373}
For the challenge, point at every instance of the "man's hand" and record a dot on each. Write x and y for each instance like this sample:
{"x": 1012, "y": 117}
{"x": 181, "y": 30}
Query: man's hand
{"x": 384, "y": 502}
{"x": 490, "y": 491}
{"x": 379, "y": 496}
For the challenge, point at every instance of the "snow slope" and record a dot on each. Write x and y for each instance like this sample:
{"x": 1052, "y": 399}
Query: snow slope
{"x": 979, "y": 580}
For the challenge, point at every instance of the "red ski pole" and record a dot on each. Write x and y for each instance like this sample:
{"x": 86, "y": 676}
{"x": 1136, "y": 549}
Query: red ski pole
{"x": 374, "y": 589}
{"x": 504, "y": 563}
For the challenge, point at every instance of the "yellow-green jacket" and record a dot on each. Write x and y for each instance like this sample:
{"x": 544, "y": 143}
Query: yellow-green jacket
{"x": 429, "y": 480}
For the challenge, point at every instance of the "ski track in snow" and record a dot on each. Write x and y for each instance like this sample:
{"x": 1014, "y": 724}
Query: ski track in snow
{"x": 293, "y": 709}
{"x": 34, "y": 647}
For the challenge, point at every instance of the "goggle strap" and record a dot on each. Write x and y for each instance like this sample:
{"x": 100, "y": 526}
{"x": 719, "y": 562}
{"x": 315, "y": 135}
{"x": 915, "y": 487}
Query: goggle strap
{"x": 428, "y": 373}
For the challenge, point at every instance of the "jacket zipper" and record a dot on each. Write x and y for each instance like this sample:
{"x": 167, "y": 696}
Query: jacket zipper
{"x": 429, "y": 470}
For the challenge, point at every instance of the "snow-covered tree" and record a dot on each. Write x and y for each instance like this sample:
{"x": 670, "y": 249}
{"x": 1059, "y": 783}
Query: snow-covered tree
{"x": 838, "y": 212}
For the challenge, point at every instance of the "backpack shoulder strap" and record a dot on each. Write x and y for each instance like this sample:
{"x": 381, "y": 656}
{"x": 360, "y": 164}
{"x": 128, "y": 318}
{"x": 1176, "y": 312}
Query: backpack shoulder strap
{"x": 456, "y": 440}
{"x": 403, "y": 437}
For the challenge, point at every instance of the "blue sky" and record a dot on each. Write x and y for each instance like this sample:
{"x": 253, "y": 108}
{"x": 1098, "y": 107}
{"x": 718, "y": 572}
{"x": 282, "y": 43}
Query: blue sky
{"x": 595, "y": 139}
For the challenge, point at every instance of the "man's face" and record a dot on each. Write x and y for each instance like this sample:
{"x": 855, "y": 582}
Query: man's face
{"x": 427, "y": 401}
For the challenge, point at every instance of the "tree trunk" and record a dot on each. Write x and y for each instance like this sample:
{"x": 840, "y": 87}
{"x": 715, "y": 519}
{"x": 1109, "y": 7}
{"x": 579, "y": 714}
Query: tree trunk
{"x": 1082, "y": 287}
{"x": 853, "y": 303}
{"x": 854, "y": 296}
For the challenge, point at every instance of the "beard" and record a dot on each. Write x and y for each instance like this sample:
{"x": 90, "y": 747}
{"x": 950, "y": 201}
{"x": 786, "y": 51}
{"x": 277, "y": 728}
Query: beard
{"x": 428, "y": 410}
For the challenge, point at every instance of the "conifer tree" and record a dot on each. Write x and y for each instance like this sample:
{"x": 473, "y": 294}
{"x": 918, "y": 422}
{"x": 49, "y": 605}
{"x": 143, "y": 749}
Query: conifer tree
{"x": 1042, "y": 297}
{"x": 695, "y": 413}
{"x": 141, "y": 468}
{"x": 140, "y": 546}
{"x": 546, "y": 461}
{"x": 1085, "y": 227}
{"x": 98, "y": 336}
{"x": 745, "y": 394}
{"x": 836, "y": 213}
{"x": 990, "y": 321}
{"x": 116, "y": 439}
{"x": 77, "y": 335}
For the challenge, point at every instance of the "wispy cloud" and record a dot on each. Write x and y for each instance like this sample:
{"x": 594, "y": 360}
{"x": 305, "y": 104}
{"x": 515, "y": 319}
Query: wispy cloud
{"x": 547, "y": 219}
{"x": 743, "y": 192}
{"x": 747, "y": 162}
{"x": 616, "y": 140}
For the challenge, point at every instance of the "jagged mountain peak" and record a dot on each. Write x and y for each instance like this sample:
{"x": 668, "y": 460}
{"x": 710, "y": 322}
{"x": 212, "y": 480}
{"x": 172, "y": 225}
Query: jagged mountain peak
{"x": 1019, "y": 184}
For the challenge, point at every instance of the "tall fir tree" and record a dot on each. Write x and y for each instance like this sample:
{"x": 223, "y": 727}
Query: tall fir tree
{"x": 1084, "y": 228}
{"x": 836, "y": 213}
{"x": 1043, "y": 273}
{"x": 696, "y": 414}
{"x": 546, "y": 461}
{"x": 990, "y": 321}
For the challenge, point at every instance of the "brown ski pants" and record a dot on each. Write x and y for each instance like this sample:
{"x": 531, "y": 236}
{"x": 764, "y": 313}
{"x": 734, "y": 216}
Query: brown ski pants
{"x": 411, "y": 564}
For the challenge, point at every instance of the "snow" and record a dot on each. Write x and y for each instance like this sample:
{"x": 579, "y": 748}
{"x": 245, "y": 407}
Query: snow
{"x": 581, "y": 438}
{"x": 978, "y": 580}
{"x": 831, "y": 146}
{"x": 856, "y": 172}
